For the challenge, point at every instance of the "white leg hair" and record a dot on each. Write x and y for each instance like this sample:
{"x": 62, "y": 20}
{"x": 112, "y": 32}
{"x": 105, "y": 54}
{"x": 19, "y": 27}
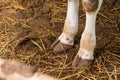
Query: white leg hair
{"x": 88, "y": 39}
{"x": 71, "y": 23}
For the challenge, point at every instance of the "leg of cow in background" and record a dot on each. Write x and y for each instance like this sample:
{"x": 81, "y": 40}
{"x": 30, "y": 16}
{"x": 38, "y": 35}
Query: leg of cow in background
{"x": 85, "y": 56}
{"x": 66, "y": 39}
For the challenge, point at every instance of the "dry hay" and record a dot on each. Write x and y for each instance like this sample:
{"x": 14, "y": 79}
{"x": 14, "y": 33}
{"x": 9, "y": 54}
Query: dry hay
{"x": 28, "y": 28}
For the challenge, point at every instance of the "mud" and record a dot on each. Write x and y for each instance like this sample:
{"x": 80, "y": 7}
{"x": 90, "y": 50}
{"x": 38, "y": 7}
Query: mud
{"x": 29, "y": 27}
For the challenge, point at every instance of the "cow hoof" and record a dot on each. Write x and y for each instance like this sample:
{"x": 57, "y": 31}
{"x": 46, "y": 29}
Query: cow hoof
{"x": 80, "y": 63}
{"x": 25, "y": 70}
{"x": 57, "y": 46}
{"x": 11, "y": 66}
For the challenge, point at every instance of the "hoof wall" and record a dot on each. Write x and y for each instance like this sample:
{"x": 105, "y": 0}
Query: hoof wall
{"x": 80, "y": 63}
{"x": 57, "y": 46}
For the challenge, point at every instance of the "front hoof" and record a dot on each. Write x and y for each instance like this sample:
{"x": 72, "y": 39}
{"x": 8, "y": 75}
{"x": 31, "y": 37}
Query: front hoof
{"x": 80, "y": 63}
{"x": 57, "y": 46}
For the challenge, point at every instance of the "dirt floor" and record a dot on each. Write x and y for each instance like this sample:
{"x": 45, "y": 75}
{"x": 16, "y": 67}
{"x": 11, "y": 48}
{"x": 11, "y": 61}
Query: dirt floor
{"x": 29, "y": 27}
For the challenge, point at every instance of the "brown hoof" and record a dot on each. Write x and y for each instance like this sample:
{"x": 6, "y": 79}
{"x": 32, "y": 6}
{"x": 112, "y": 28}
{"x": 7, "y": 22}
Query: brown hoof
{"x": 79, "y": 63}
{"x": 25, "y": 70}
{"x": 57, "y": 46}
{"x": 10, "y": 66}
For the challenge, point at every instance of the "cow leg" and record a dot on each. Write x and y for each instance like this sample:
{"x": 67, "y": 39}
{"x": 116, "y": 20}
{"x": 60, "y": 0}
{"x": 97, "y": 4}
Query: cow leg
{"x": 66, "y": 39}
{"x": 14, "y": 70}
{"x": 85, "y": 56}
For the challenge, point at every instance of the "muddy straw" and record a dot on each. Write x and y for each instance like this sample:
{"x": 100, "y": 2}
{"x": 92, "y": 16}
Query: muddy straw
{"x": 28, "y": 28}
